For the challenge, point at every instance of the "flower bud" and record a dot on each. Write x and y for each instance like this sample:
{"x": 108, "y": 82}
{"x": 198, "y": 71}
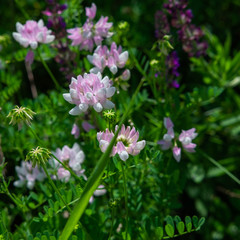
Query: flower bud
{"x": 38, "y": 156}
{"x": 109, "y": 116}
{"x": 20, "y": 115}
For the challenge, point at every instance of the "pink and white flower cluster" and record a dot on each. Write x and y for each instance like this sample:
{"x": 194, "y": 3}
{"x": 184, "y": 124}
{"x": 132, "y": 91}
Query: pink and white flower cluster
{"x": 28, "y": 175}
{"x": 90, "y": 90}
{"x": 127, "y": 142}
{"x": 103, "y": 57}
{"x": 185, "y": 138}
{"x": 32, "y": 33}
{"x": 72, "y": 157}
{"x": 90, "y": 33}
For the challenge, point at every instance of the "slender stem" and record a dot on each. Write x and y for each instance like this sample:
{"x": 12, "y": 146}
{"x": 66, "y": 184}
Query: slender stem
{"x": 126, "y": 198}
{"x": 112, "y": 198}
{"x": 49, "y": 71}
{"x": 234, "y": 178}
{"x": 55, "y": 188}
{"x": 36, "y": 136}
{"x": 31, "y": 80}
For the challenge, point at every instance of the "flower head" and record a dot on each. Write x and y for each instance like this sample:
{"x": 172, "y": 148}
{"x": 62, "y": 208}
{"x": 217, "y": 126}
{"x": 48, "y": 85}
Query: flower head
{"x": 103, "y": 57}
{"x": 72, "y": 157}
{"x": 20, "y": 115}
{"x": 32, "y": 33}
{"x": 127, "y": 142}
{"x": 185, "y": 138}
{"x": 28, "y": 175}
{"x": 90, "y": 90}
{"x": 90, "y": 33}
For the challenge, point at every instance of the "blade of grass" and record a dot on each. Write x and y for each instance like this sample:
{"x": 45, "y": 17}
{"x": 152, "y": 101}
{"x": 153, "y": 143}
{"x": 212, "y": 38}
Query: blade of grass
{"x": 95, "y": 177}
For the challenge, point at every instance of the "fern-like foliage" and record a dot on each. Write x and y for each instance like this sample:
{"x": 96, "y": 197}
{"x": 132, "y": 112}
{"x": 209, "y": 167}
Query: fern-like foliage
{"x": 172, "y": 227}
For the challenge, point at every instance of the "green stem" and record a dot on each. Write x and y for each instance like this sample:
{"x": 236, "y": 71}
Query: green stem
{"x": 95, "y": 177}
{"x": 49, "y": 71}
{"x": 126, "y": 198}
{"x": 36, "y": 136}
{"x": 234, "y": 178}
{"x": 55, "y": 188}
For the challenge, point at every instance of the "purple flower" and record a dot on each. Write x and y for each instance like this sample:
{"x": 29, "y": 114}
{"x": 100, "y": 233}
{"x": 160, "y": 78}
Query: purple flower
{"x": 90, "y": 90}
{"x": 161, "y": 25}
{"x": 28, "y": 175}
{"x": 127, "y": 142}
{"x": 112, "y": 59}
{"x": 185, "y": 138}
{"x": 91, "y": 12}
{"x": 32, "y": 33}
{"x": 75, "y": 131}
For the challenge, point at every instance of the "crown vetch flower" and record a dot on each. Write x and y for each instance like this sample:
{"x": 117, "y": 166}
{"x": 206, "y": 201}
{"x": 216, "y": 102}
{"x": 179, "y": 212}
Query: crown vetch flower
{"x": 112, "y": 59}
{"x": 90, "y": 33}
{"x": 75, "y": 131}
{"x": 72, "y": 157}
{"x": 28, "y": 175}
{"x": 185, "y": 138}
{"x": 127, "y": 142}
{"x": 90, "y": 90}
{"x": 32, "y": 33}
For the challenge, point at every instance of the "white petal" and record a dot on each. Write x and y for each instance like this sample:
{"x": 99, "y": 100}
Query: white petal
{"x": 19, "y": 26}
{"x": 103, "y": 145}
{"x": 89, "y": 95}
{"x": 99, "y": 76}
{"x": 50, "y": 38}
{"x": 40, "y": 37}
{"x": 40, "y": 23}
{"x": 105, "y": 81}
{"x": 73, "y": 94}
{"x": 24, "y": 42}
{"x": 33, "y": 45}
{"x": 140, "y": 145}
{"x": 108, "y": 104}
{"x": 75, "y": 111}
{"x": 73, "y": 80}
{"x": 123, "y": 57}
{"x": 83, "y": 107}
{"x": 67, "y": 97}
{"x": 113, "y": 69}
{"x": 101, "y": 93}
{"x": 98, "y": 107}
{"x": 90, "y": 58}
{"x": 110, "y": 92}
{"x": 124, "y": 155}
{"x": 95, "y": 70}
{"x": 17, "y": 36}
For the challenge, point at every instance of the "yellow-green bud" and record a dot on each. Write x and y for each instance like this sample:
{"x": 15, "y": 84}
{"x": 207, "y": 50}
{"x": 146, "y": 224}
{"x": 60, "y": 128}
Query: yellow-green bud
{"x": 38, "y": 156}
{"x": 20, "y": 115}
{"x": 109, "y": 115}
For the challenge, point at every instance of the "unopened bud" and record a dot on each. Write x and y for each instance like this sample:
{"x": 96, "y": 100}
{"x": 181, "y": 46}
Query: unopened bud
{"x": 38, "y": 156}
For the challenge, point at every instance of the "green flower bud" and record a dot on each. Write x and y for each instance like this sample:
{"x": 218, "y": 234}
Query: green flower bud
{"x": 109, "y": 116}
{"x": 38, "y": 156}
{"x": 20, "y": 115}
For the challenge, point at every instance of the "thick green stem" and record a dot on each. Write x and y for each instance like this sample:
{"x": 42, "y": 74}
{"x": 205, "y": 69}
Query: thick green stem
{"x": 126, "y": 198}
{"x": 49, "y": 71}
{"x": 55, "y": 188}
{"x": 95, "y": 177}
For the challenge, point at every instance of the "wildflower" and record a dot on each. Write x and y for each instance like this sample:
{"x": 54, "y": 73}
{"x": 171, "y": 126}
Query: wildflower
{"x": 112, "y": 59}
{"x": 72, "y": 157}
{"x": 38, "y": 156}
{"x": 98, "y": 192}
{"x": 90, "y": 90}
{"x": 90, "y": 33}
{"x": 28, "y": 175}
{"x": 32, "y": 33}
{"x": 87, "y": 126}
{"x": 75, "y": 131}
{"x": 185, "y": 138}
{"x": 20, "y": 115}
{"x": 127, "y": 142}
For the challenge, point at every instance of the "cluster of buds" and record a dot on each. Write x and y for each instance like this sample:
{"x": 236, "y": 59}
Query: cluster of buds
{"x": 90, "y": 90}
{"x": 90, "y": 33}
{"x": 185, "y": 138}
{"x": 28, "y": 175}
{"x": 72, "y": 157}
{"x": 180, "y": 18}
{"x": 127, "y": 142}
